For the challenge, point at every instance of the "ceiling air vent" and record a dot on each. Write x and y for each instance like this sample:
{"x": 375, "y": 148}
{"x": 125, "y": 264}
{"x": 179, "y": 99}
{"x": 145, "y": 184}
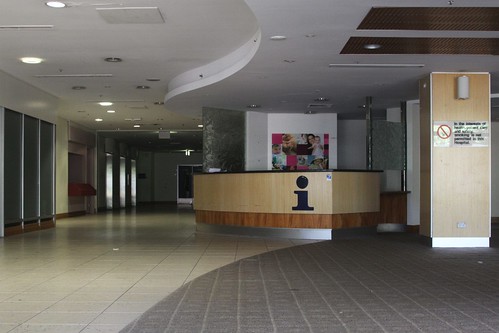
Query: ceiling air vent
{"x": 319, "y": 106}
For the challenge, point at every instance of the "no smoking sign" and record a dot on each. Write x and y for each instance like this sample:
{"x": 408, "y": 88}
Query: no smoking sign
{"x": 444, "y": 131}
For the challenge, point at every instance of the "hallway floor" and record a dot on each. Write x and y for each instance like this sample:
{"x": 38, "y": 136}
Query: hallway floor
{"x": 97, "y": 273}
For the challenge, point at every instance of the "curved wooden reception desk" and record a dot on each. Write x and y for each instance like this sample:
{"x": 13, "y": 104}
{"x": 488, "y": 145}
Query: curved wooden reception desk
{"x": 331, "y": 199}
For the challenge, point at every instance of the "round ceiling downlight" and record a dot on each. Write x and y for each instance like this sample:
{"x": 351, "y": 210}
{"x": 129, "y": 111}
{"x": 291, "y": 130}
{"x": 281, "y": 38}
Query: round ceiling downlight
{"x": 55, "y": 4}
{"x": 31, "y": 60}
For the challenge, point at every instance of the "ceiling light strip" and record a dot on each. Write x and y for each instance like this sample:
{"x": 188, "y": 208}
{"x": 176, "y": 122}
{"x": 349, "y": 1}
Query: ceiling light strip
{"x": 377, "y": 65}
{"x": 72, "y": 75}
{"x": 26, "y": 27}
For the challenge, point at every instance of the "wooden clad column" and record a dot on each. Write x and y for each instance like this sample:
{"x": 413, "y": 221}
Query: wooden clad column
{"x": 455, "y": 160}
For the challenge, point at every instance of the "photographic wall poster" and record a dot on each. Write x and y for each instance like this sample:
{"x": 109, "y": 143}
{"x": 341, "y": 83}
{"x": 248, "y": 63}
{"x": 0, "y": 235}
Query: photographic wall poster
{"x": 305, "y": 151}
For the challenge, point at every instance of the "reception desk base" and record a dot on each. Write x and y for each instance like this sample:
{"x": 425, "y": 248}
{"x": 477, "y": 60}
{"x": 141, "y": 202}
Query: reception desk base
{"x": 291, "y": 233}
{"x": 305, "y": 201}
{"x": 314, "y": 226}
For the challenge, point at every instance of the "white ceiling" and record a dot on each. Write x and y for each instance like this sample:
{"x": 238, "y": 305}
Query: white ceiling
{"x": 213, "y": 53}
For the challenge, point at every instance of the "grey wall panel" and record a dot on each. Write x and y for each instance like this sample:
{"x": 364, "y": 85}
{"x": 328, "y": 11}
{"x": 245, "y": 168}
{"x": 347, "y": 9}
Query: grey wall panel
{"x": 47, "y": 156}
{"x": 224, "y": 133}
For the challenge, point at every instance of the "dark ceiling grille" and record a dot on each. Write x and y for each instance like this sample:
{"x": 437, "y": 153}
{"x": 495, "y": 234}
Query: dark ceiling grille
{"x": 400, "y": 45}
{"x": 432, "y": 18}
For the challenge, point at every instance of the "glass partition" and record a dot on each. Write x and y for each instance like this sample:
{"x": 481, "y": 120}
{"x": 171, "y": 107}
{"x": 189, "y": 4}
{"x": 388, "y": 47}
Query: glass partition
{"x": 13, "y": 168}
{"x": 31, "y": 169}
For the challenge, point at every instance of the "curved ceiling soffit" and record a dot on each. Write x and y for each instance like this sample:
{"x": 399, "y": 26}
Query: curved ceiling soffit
{"x": 215, "y": 71}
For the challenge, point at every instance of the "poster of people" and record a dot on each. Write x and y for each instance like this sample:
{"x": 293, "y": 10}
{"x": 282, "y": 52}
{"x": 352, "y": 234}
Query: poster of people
{"x": 307, "y": 151}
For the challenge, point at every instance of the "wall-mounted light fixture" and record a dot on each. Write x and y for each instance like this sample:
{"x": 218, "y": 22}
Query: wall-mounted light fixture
{"x": 463, "y": 87}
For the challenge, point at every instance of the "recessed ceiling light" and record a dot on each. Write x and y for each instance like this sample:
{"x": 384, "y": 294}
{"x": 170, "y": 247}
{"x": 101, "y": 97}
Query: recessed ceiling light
{"x": 143, "y": 87}
{"x": 357, "y": 65}
{"x": 110, "y": 111}
{"x": 105, "y": 103}
{"x": 372, "y": 46}
{"x": 113, "y": 59}
{"x": 200, "y": 126}
{"x": 278, "y": 37}
{"x": 99, "y": 119}
{"x": 136, "y": 125}
{"x": 31, "y": 60}
{"x": 55, "y": 4}
{"x": 78, "y": 87}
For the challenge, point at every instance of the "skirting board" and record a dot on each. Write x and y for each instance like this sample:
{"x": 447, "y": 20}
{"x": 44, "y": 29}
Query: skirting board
{"x": 460, "y": 242}
{"x": 292, "y": 233}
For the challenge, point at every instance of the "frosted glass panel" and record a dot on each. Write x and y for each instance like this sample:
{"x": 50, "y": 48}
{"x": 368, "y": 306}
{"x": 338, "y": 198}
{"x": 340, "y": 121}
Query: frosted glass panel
{"x": 31, "y": 168}
{"x": 109, "y": 181}
{"x": 12, "y": 168}
{"x": 122, "y": 182}
{"x": 134, "y": 182}
{"x": 46, "y": 169}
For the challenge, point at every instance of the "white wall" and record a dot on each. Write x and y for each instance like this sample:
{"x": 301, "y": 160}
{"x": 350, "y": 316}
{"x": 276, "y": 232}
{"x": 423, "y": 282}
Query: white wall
{"x": 305, "y": 123}
{"x": 61, "y": 167}
{"x": 257, "y": 144}
{"x": 24, "y": 98}
{"x": 352, "y": 144}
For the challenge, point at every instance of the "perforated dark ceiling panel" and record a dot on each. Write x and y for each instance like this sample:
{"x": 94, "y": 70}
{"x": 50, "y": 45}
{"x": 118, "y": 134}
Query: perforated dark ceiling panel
{"x": 432, "y": 18}
{"x": 399, "y": 45}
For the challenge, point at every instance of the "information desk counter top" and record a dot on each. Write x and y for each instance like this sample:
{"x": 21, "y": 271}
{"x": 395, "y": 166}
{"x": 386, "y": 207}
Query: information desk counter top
{"x": 302, "y": 199}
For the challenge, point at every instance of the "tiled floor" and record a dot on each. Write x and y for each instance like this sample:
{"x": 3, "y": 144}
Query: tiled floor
{"x": 386, "y": 283}
{"x": 97, "y": 273}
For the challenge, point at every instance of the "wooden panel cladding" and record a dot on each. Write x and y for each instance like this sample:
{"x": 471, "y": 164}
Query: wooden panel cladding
{"x": 29, "y": 227}
{"x": 393, "y": 209}
{"x": 318, "y": 221}
{"x": 266, "y": 192}
{"x": 264, "y": 219}
{"x": 460, "y": 176}
{"x": 279, "y": 192}
{"x": 355, "y": 192}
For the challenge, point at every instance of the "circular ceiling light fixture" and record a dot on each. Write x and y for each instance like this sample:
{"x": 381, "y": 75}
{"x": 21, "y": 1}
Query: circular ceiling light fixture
{"x": 99, "y": 119}
{"x": 55, "y": 4}
{"x": 105, "y": 103}
{"x": 31, "y": 60}
{"x": 278, "y": 37}
{"x": 110, "y": 111}
{"x": 200, "y": 126}
{"x": 372, "y": 46}
{"x": 136, "y": 125}
{"x": 113, "y": 59}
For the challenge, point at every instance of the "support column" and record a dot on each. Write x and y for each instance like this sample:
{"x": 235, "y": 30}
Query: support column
{"x": 455, "y": 160}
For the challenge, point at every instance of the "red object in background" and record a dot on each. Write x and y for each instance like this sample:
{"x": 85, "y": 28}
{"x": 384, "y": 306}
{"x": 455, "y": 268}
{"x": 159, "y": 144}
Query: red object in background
{"x": 80, "y": 189}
